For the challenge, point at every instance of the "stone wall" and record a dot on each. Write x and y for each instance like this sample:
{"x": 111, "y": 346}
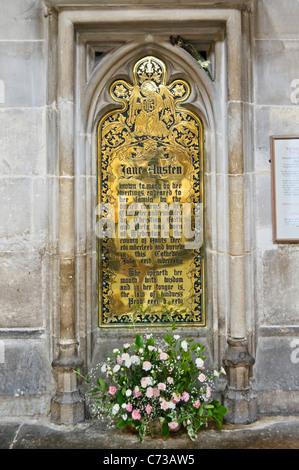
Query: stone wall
{"x": 276, "y": 112}
{"x": 29, "y": 206}
{"x": 25, "y": 318}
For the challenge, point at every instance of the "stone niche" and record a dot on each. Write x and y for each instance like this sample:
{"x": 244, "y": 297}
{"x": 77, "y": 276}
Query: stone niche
{"x": 90, "y": 46}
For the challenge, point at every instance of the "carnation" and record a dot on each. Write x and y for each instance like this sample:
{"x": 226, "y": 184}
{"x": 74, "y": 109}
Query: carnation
{"x": 162, "y": 386}
{"x": 173, "y": 390}
{"x": 136, "y": 414}
{"x": 146, "y": 365}
{"x": 163, "y": 356}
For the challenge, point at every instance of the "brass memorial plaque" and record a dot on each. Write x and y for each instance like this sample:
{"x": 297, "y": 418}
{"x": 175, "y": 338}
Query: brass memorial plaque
{"x": 150, "y": 195}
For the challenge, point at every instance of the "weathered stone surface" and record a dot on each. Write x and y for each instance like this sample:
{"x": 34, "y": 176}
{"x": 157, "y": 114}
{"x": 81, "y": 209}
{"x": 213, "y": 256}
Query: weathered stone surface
{"x": 263, "y": 200}
{"x": 31, "y": 375}
{"x": 273, "y": 120}
{"x": 23, "y": 69}
{"x": 275, "y": 68}
{"x": 22, "y": 20}
{"x": 15, "y": 207}
{"x": 280, "y": 292}
{"x": 22, "y": 141}
{"x": 275, "y": 17}
{"x": 21, "y": 290}
{"x": 266, "y": 433}
{"x": 276, "y": 375}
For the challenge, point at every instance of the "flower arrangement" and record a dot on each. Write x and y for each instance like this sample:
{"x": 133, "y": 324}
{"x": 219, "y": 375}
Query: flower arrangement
{"x": 156, "y": 379}
{"x": 188, "y": 46}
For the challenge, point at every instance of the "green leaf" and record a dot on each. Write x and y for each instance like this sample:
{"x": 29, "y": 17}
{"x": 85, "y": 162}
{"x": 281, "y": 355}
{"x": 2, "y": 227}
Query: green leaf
{"x": 197, "y": 424}
{"x": 139, "y": 341}
{"x": 94, "y": 390}
{"x": 119, "y": 397}
{"x": 165, "y": 429}
{"x": 122, "y": 423}
{"x": 102, "y": 384}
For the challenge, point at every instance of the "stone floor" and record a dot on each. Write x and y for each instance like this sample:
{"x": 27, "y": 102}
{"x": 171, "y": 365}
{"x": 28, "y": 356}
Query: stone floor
{"x": 266, "y": 433}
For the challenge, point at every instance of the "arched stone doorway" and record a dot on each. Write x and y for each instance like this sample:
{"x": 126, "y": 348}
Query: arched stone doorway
{"x": 83, "y": 85}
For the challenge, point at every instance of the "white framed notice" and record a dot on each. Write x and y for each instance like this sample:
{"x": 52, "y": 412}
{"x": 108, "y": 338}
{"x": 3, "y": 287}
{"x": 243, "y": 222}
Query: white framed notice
{"x": 285, "y": 188}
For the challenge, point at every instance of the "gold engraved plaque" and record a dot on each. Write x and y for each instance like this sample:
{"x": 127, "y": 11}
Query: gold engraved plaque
{"x": 150, "y": 190}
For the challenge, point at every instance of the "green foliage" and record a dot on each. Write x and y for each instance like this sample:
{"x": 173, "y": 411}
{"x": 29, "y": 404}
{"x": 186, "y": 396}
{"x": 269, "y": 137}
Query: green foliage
{"x": 157, "y": 379}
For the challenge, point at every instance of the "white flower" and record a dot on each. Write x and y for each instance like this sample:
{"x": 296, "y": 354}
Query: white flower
{"x": 124, "y": 417}
{"x": 223, "y": 371}
{"x": 176, "y": 336}
{"x": 116, "y": 350}
{"x": 135, "y": 360}
{"x": 184, "y": 345}
{"x": 127, "y": 345}
{"x": 141, "y": 350}
{"x": 128, "y": 393}
{"x": 125, "y": 356}
{"x": 116, "y": 368}
{"x": 115, "y": 408}
{"x": 124, "y": 405}
{"x": 128, "y": 362}
{"x": 216, "y": 373}
{"x": 103, "y": 368}
{"x": 199, "y": 362}
{"x": 146, "y": 365}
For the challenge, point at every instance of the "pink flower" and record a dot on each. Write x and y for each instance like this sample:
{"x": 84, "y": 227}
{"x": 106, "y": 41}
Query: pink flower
{"x": 209, "y": 391}
{"x": 216, "y": 373}
{"x": 148, "y": 409}
{"x": 156, "y": 392}
{"x": 143, "y": 382}
{"x": 173, "y": 424}
{"x": 151, "y": 348}
{"x": 162, "y": 386}
{"x": 108, "y": 373}
{"x": 118, "y": 360}
{"x": 112, "y": 390}
{"x": 149, "y": 392}
{"x": 197, "y": 404}
{"x": 201, "y": 377}
{"x": 170, "y": 380}
{"x": 185, "y": 396}
{"x": 129, "y": 407}
{"x": 136, "y": 414}
{"x": 175, "y": 398}
{"x": 146, "y": 365}
{"x": 163, "y": 356}
{"x": 164, "y": 405}
{"x": 136, "y": 392}
{"x": 127, "y": 345}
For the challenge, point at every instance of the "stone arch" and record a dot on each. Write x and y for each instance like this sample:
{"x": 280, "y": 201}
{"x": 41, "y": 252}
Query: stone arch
{"x": 206, "y": 102}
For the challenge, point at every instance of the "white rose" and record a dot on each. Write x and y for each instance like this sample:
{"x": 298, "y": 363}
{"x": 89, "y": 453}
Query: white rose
{"x": 199, "y": 362}
{"x": 135, "y": 360}
{"x": 184, "y": 345}
{"x": 115, "y": 408}
{"x": 103, "y": 368}
{"x": 128, "y": 393}
{"x": 176, "y": 336}
{"x": 116, "y": 368}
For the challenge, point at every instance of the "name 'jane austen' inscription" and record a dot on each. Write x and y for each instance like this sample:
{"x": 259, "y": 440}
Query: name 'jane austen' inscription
{"x": 150, "y": 152}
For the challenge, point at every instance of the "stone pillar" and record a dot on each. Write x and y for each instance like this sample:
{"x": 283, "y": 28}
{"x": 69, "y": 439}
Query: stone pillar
{"x": 238, "y": 396}
{"x": 67, "y": 406}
